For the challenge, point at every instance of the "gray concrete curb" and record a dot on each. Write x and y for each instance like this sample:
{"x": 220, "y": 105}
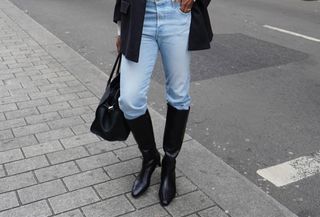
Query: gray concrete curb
{"x": 228, "y": 188}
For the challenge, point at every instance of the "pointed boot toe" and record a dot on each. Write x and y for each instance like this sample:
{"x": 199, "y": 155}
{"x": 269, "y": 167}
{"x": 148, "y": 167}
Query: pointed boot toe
{"x": 138, "y": 188}
{"x": 165, "y": 196}
{"x": 142, "y": 181}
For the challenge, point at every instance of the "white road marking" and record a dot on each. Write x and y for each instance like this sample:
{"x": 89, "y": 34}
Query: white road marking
{"x": 293, "y": 170}
{"x": 292, "y": 33}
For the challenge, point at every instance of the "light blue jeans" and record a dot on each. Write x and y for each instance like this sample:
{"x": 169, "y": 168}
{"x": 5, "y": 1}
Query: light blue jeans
{"x": 165, "y": 29}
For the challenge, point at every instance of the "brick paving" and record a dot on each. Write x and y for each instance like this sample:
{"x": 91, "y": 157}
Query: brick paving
{"x": 50, "y": 163}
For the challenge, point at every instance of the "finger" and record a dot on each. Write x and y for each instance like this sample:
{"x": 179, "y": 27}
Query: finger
{"x": 182, "y": 5}
{"x": 185, "y": 5}
{"x": 189, "y": 5}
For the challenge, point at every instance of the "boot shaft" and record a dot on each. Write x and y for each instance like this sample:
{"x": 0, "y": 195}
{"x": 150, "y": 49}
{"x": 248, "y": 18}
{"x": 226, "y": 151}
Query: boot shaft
{"x": 176, "y": 122}
{"x": 142, "y": 131}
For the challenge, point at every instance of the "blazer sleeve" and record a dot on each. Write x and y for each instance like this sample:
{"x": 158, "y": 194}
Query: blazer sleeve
{"x": 116, "y": 13}
{"x": 205, "y": 2}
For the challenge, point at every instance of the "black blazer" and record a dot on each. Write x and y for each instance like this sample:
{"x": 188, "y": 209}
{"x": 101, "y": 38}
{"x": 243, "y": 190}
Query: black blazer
{"x": 131, "y": 13}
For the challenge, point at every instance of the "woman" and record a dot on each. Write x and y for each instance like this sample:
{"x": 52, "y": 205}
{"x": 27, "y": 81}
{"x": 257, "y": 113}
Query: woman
{"x": 174, "y": 28}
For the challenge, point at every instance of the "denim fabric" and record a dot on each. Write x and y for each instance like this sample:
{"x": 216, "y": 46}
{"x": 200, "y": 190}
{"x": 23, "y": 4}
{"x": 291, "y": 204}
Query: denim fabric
{"x": 165, "y": 29}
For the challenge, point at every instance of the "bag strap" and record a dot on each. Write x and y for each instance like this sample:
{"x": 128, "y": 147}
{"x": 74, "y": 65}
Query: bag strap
{"x": 115, "y": 68}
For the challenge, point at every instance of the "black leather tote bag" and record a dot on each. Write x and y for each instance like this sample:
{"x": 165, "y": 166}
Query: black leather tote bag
{"x": 109, "y": 122}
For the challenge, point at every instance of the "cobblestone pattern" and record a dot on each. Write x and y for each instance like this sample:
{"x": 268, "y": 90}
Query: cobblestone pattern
{"x": 50, "y": 163}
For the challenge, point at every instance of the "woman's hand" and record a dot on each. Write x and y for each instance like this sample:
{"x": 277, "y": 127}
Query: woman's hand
{"x": 186, "y": 5}
{"x": 118, "y": 43}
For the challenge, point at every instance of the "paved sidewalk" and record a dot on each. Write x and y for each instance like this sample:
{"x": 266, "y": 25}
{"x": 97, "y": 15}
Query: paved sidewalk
{"x": 50, "y": 163}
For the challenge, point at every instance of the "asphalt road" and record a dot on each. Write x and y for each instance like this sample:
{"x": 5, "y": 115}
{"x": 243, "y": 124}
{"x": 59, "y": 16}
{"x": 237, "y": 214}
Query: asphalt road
{"x": 255, "y": 94}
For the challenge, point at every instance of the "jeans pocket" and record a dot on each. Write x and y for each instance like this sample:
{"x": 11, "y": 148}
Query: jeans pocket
{"x": 181, "y": 12}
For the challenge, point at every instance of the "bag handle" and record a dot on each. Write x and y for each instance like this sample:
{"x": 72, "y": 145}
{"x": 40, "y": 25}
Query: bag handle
{"x": 116, "y": 67}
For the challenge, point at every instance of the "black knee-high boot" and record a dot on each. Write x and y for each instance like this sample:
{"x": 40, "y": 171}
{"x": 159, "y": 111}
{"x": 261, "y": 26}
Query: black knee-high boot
{"x": 142, "y": 131}
{"x": 176, "y": 122}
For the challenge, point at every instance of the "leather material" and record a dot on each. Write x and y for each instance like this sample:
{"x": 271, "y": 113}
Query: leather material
{"x": 168, "y": 180}
{"x": 142, "y": 131}
{"x": 142, "y": 181}
{"x": 176, "y": 122}
{"x": 109, "y": 122}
